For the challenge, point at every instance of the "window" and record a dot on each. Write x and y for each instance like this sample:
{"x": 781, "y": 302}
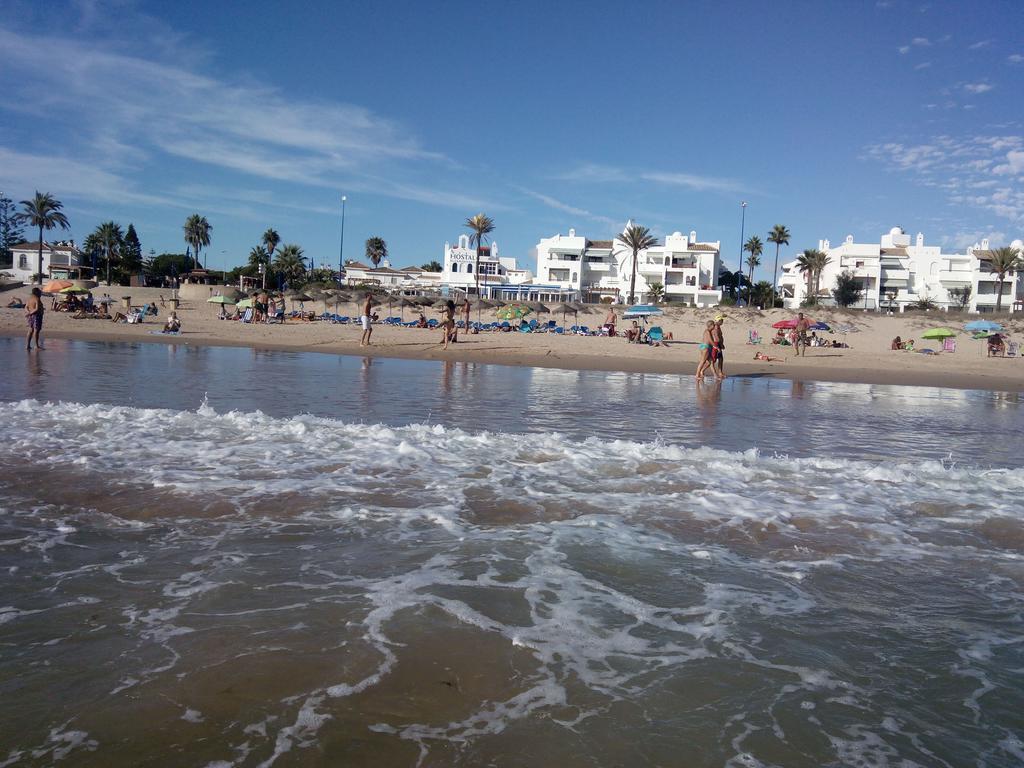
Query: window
{"x": 23, "y": 262}
{"x": 455, "y": 267}
{"x": 469, "y": 268}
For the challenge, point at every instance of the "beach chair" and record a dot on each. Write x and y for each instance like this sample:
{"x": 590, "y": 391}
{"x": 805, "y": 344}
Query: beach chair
{"x": 753, "y": 337}
{"x": 949, "y": 345}
{"x": 138, "y": 315}
{"x": 656, "y": 334}
{"x": 533, "y": 324}
{"x": 247, "y": 317}
{"x": 1013, "y": 349}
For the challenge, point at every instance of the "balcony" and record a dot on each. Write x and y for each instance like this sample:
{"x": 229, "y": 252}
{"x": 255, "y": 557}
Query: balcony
{"x": 957, "y": 277}
{"x": 599, "y": 266}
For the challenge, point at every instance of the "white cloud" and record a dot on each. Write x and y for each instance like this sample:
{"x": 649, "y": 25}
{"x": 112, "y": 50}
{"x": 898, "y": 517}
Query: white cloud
{"x": 922, "y": 42}
{"x": 923, "y": 65}
{"x": 977, "y": 88}
{"x": 1014, "y": 165}
{"x": 558, "y": 205}
{"x": 904, "y": 49}
{"x": 964, "y": 239}
{"x": 978, "y": 45}
{"x": 1015, "y": 58}
{"x": 985, "y": 172}
{"x": 603, "y": 174}
{"x": 121, "y": 113}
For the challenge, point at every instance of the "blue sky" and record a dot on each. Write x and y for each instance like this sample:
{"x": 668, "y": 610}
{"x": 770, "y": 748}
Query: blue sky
{"x": 830, "y": 118}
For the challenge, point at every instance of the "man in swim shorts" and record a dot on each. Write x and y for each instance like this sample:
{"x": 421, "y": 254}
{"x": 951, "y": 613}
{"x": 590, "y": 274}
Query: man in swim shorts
{"x": 366, "y": 319}
{"x": 718, "y": 348}
{"x": 34, "y": 317}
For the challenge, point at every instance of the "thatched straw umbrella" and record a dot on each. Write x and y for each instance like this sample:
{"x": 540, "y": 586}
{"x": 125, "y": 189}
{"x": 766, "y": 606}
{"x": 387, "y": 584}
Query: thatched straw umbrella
{"x": 564, "y": 308}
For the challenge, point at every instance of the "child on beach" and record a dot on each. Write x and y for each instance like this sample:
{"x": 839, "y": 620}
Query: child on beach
{"x": 34, "y": 317}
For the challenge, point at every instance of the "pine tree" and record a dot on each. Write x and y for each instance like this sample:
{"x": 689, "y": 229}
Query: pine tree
{"x": 131, "y": 255}
{"x": 11, "y": 233}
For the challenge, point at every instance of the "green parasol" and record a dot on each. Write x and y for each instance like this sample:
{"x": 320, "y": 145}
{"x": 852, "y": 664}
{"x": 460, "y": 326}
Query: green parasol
{"x": 938, "y": 333}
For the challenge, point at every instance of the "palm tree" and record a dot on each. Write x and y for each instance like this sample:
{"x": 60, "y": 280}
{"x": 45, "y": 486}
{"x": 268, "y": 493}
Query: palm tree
{"x": 1002, "y": 262}
{"x": 270, "y": 241}
{"x": 109, "y": 237}
{"x": 482, "y": 226}
{"x": 636, "y": 239}
{"x": 780, "y": 236}
{"x": 755, "y": 248}
{"x": 42, "y": 211}
{"x": 258, "y": 256}
{"x": 197, "y": 234}
{"x": 290, "y": 263}
{"x": 762, "y": 292}
{"x": 657, "y": 291}
{"x": 376, "y": 250}
{"x": 813, "y": 262}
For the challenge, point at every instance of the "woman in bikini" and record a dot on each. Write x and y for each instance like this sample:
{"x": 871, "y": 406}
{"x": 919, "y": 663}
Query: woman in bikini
{"x": 706, "y": 346}
{"x": 448, "y": 323}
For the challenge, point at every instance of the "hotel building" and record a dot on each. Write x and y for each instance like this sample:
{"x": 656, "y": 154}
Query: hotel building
{"x": 896, "y": 273}
{"x": 686, "y": 268}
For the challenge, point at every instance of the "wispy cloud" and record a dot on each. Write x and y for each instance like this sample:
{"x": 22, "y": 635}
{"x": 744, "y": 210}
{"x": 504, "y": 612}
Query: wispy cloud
{"x": 922, "y": 42}
{"x": 978, "y": 88}
{"x": 922, "y": 65}
{"x": 904, "y": 49}
{"x": 558, "y": 205}
{"x": 979, "y": 45}
{"x": 598, "y": 174}
{"x": 985, "y": 172}
{"x": 123, "y": 112}
{"x": 1015, "y": 58}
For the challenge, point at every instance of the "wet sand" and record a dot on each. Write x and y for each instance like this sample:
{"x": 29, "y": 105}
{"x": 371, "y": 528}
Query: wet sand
{"x": 869, "y": 360}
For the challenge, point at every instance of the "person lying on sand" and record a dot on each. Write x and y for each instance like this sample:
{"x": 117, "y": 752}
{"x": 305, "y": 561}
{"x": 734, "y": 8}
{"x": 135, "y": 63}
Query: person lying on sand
{"x": 768, "y": 358}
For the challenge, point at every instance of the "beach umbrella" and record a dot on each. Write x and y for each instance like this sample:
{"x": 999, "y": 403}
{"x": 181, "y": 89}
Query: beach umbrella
{"x": 537, "y": 307}
{"x": 641, "y": 310}
{"x": 820, "y": 326}
{"x": 73, "y": 289}
{"x": 564, "y": 308}
{"x": 982, "y": 325}
{"x": 938, "y": 333}
{"x": 221, "y": 300}
{"x": 791, "y": 323}
{"x": 512, "y": 311}
{"x": 56, "y": 286}
{"x": 244, "y": 304}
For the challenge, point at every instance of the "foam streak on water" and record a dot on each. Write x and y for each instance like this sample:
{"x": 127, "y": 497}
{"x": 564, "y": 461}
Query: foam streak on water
{"x": 238, "y": 589}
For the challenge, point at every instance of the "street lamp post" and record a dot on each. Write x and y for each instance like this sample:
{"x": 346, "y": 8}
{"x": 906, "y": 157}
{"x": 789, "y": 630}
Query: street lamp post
{"x": 341, "y": 252}
{"x": 743, "y": 223}
{"x": 263, "y": 275}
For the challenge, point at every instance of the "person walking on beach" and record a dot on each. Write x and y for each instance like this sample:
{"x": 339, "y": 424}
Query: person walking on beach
{"x": 366, "y": 319}
{"x": 448, "y": 322}
{"x": 34, "y": 317}
{"x": 706, "y": 344}
{"x": 718, "y": 348}
{"x": 466, "y": 309}
{"x": 802, "y": 326}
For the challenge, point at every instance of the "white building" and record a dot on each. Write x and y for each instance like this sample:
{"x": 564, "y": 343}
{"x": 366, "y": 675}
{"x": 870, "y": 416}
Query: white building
{"x": 500, "y": 277}
{"x": 895, "y": 273}
{"x": 601, "y": 269}
{"x": 408, "y": 280}
{"x": 60, "y": 260}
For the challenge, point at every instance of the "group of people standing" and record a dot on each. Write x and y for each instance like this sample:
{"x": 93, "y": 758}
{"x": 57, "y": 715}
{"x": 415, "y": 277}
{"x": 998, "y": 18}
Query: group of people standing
{"x": 712, "y": 350}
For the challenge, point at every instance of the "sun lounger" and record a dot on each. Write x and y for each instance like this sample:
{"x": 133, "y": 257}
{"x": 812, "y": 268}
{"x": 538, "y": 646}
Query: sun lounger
{"x": 949, "y": 345}
{"x": 1013, "y": 349}
{"x": 753, "y": 337}
{"x": 247, "y": 317}
{"x": 136, "y": 316}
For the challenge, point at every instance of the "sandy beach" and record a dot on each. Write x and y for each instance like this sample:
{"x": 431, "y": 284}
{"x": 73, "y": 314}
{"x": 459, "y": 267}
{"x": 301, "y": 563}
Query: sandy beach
{"x": 868, "y": 360}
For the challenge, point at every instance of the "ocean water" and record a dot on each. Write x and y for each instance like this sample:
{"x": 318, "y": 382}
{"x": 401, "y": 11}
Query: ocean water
{"x": 222, "y": 557}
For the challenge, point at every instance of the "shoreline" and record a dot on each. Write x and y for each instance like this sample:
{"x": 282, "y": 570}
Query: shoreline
{"x": 660, "y": 360}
